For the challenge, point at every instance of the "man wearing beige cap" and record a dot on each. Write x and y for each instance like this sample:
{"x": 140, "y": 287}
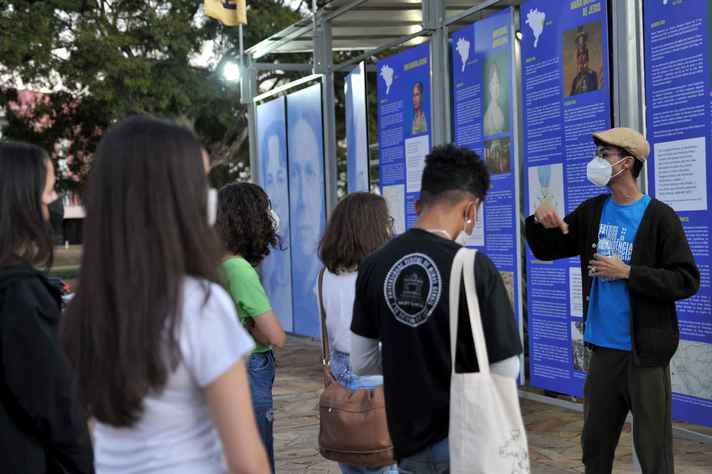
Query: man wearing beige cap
{"x": 636, "y": 263}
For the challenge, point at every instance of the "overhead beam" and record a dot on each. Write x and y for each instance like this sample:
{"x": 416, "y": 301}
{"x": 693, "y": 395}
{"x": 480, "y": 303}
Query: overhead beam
{"x": 274, "y": 42}
{"x": 286, "y": 87}
{"x": 471, "y": 11}
{"x": 281, "y": 67}
{"x": 330, "y": 15}
{"x": 385, "y": 47}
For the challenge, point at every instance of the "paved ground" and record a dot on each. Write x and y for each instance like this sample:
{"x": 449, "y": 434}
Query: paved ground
{"x": 553, "y": 432}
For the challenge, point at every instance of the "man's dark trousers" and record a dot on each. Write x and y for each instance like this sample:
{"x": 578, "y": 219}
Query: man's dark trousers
{"x": 614, "y": 386}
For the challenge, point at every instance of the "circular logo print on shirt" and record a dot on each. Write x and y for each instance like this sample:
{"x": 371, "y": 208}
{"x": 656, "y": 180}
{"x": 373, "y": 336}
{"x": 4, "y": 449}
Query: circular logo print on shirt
{"x": 412, "y": 289}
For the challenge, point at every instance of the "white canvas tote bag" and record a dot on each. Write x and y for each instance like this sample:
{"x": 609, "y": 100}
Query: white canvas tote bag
{"x": 486, "y": 429}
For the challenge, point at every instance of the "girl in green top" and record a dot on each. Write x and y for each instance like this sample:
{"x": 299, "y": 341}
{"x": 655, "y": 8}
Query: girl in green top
{"x": 248, "y": 231}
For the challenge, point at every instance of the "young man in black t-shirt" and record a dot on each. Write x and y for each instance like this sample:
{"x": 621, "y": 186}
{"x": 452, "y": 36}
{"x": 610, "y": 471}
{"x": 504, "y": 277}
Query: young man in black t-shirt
{"x": 402, "y": 302}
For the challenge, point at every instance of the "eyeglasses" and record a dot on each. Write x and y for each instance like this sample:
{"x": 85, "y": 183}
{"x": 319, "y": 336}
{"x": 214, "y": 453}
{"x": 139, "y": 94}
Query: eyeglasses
{"x": 604, "y": 152}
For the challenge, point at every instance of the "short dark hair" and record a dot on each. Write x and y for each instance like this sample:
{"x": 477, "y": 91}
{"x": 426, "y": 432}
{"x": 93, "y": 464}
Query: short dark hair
{"x": 419, "y": 85}
{"x": 24, "y": 234}
{"x": 244, "y": 222}
{"x": 358, "y": 226}
{"x": 637, "y": 167}
{"x": 145, "y": 232}
{"x": 450, "y": 171}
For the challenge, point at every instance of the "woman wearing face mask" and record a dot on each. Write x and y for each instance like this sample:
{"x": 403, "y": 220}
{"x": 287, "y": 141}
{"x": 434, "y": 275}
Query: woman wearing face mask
{"x": 157, "y": 345}
{"x": 248, "y": 231}
{"x": 359, "y": 225}
{"x": 43, "y": 428}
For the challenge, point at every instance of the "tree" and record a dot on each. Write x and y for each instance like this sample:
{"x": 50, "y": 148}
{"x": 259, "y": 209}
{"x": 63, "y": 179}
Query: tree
{"x": 103, "y": 59}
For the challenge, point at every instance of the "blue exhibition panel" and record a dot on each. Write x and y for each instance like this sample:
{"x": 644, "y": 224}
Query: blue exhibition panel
{"x": 484, "y": 120}
{"x": 356, "y": 130}
{"x": 566, "y": 97}
{"x": 678, "y": 86}
{"x": 404, "y": 129}
{"x": 307, "y": 203}
{"x": 272, "y": 157}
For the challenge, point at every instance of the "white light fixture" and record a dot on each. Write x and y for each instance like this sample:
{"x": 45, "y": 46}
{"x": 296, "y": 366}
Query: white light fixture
{"x": 519, "y": 35}
{"x": 231, "y": 71}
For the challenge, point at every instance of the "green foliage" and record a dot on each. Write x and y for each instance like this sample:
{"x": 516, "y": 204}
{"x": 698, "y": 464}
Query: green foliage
{"x": 110, "y": 58}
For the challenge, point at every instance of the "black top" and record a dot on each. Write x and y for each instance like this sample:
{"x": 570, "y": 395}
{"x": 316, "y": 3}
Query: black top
{"x": 662, "y": 271}
{"x": 41, "y": 424}
{"x": 402, "y": 296}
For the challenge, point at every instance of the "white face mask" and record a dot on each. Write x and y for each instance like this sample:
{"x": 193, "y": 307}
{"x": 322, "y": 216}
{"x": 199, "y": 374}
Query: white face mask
{"x": 212, "y": 206}
{"x": 463, "y": 237}
{"x": 600, "y": 172}
{"x": 275, "y": 220}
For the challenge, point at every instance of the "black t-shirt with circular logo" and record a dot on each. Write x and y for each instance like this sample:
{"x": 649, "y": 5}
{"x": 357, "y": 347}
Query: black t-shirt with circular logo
{"x": 402, "y": 300}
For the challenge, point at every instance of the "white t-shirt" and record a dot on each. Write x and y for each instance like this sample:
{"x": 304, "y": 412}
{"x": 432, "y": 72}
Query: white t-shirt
{"x": 339, "y": 292}
{"x": 176, "y": 434}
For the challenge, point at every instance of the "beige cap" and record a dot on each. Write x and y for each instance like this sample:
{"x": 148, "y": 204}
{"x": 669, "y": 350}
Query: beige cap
{"x": 627, "y": 139}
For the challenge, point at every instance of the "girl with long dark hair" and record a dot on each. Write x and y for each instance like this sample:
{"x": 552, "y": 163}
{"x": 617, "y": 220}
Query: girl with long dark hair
{"x": 358, "y": 226}
{"x": 157, "y": 345}
{"x": 42, "y": 427}
{"x": 248, "y": 232}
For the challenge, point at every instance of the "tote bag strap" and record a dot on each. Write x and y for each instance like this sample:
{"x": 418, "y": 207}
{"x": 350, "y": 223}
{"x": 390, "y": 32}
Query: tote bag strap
{"x": 325, "y": 351}
{"x": 464, "y": 264}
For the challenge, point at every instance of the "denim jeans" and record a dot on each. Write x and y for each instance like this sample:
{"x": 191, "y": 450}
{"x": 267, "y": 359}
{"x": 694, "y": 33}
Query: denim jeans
{"x": 341, "y": 369}
{"x": 434, "y": 459}
{"x": 261, "y": 370}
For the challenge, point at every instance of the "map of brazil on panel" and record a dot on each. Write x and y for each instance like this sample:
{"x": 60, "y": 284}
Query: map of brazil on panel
{"x": 535, "y": 21}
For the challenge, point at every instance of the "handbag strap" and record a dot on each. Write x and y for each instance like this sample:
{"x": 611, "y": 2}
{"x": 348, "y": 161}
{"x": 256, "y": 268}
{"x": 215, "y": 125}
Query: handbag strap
{"x": 325, "y": 351}
{"x": 464, "y": 265}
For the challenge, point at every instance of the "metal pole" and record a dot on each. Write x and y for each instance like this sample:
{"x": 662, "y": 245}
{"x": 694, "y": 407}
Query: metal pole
{"x": 628, "y": 79}
{"x": 323, "y": 64}
{"x": 251, "y": 89}
{"x": 627, "y": 91}
{"x": 434, "y": 19}
{"x": 242, "y": 51}
{"x": 518, "y": 128}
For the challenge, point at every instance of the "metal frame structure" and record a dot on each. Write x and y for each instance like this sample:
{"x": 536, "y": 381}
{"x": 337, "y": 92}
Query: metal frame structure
{"x": 376, "y": 26}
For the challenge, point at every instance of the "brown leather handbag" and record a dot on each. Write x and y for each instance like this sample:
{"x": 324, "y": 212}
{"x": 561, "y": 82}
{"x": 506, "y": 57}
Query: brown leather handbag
{"x": 352, "y": 423}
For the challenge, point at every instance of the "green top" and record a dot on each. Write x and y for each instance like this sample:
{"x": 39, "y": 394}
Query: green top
{"x": 247, "y": 292}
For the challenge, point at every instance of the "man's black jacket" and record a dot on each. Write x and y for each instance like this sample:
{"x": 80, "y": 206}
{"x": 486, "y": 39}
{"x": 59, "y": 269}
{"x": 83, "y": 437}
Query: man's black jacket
{"x": 662, "y": 271}
{"x": 42, "y": 429}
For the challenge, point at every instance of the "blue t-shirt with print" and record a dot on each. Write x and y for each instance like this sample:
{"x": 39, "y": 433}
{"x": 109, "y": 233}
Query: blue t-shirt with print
{"x": 608, "y": 323}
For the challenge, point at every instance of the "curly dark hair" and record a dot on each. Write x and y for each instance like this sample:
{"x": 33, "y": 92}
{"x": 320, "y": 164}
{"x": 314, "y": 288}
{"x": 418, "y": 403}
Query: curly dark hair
{"x": 244, "y": 222}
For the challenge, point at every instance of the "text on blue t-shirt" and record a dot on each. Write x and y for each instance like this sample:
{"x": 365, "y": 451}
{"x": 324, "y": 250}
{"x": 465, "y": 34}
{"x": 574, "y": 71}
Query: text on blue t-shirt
{"x": 608, "y": 322}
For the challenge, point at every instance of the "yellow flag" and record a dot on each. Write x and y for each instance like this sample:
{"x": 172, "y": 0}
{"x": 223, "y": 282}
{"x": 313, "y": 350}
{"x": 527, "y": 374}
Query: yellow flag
{"x": 229, "y": 13}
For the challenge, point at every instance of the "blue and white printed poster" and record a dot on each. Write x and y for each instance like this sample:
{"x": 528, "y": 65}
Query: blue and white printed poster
{"x": 484, "y": 120}
{"x": 678, "y": 87}
{"x": 403, "y": 129}
{"x": 272, "y": 156}
{"x": 356, "y": 130}
{"x": 307, "y": 203}
{"x": 566, "y": 97}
